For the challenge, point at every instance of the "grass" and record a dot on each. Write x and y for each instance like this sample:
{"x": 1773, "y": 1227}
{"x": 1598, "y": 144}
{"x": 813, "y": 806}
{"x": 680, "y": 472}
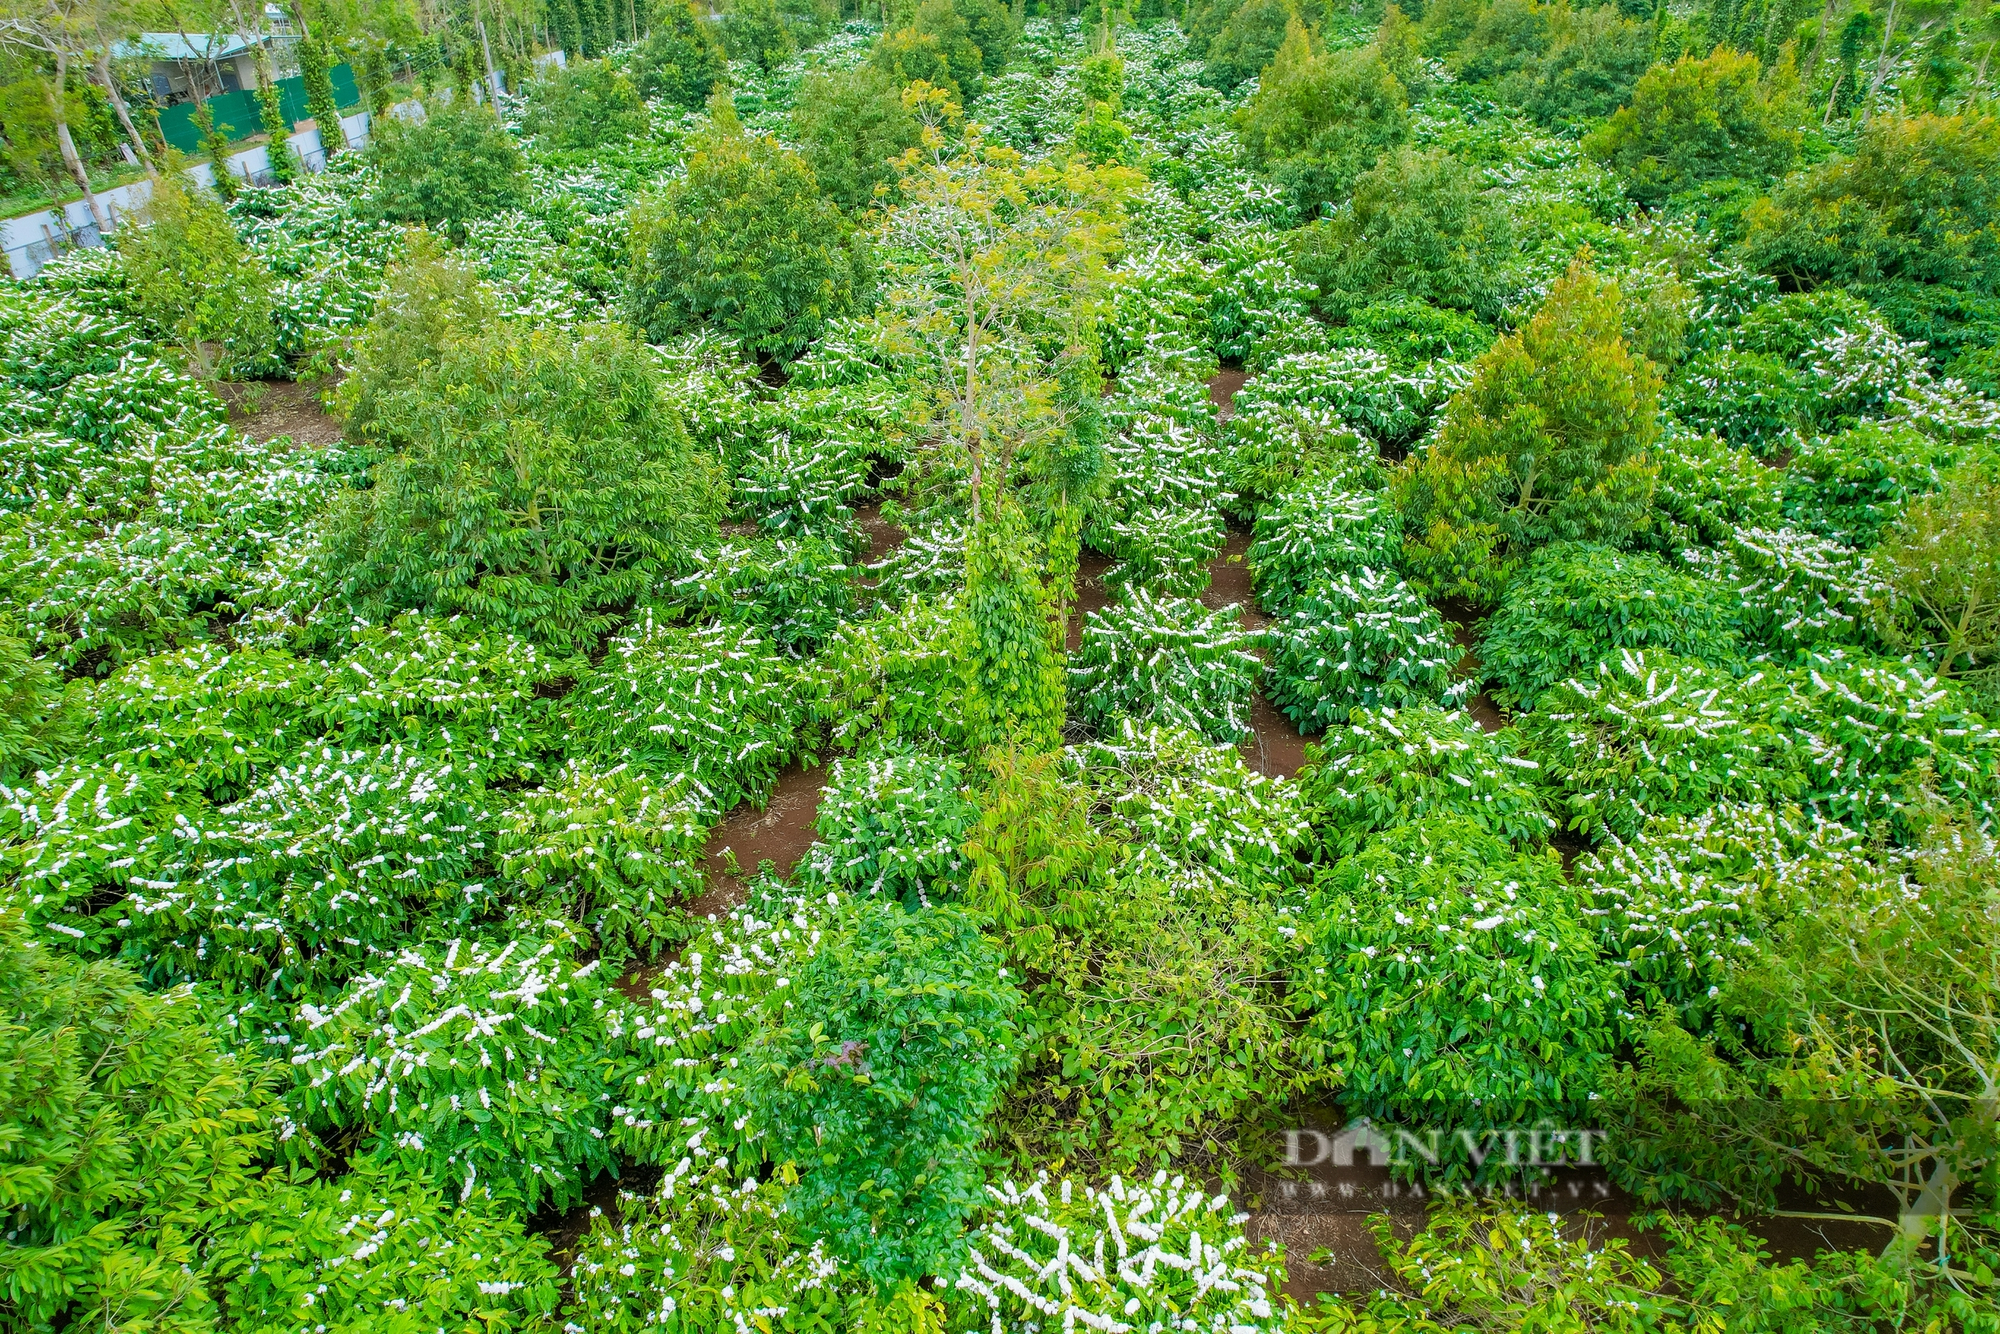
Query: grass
{"x": 36, "y": 199}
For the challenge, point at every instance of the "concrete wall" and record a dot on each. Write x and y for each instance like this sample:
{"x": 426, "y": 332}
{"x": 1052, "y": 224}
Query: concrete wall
{"x": 27, "y": 238}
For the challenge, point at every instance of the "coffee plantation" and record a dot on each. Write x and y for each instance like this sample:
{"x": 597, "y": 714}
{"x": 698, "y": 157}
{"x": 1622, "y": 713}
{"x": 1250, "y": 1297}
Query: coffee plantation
{"x": 838, "y": 668}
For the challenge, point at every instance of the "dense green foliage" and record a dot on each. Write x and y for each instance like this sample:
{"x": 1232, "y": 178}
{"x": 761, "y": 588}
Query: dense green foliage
{"x": 900, "y": 1039}
{"x": 1576, "y": 605}
{"x": 454, "y": 166}
{"x": 1321, "y": 118}
{"x": 545, "y": 486}
{"x": 851, "y": 128}
{"x": 682, "y": 59}
{"x": 128, "y": 1130}
{"x": 745, "y": 241}
{"x": 909, "y": 629}
{"x": 1548, "y": 442}
{"x": 586, "y": 105}
{"x": 1454, "y": 981}
{"x": 1416, "y": 228}
{"x": 1914, "y": 203}
{"x": 1008, "y": 646}
{"x": 1693, "y": 122}
{"x": 190, "y": 278}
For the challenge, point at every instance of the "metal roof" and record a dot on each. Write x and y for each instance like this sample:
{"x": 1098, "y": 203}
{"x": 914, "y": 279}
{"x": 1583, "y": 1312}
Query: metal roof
{"x": 189, "y": 46}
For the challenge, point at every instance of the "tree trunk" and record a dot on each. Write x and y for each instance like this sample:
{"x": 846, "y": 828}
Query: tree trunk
{"x": 1819, "y": 42}
{"x": 1933, "y": 1202}
{"x": 1881, "y": 65}
{"x": 68, "y": 145}
{"x": 110, "y": 86}
{"x": 1979, "y": 79}
{"x": 486, "y": 49}
{"x": 1838, "y": 79}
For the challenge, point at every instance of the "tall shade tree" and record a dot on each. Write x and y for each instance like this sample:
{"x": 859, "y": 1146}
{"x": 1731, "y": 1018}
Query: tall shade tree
{"x": 111, "y": 27}
{"x": 877, "y": 1085}
{"x": 1918, "y": 201}
{"x": 130, "y": 1134}
{"x": 1548, "y": 442}
{"x": 1942, "y": 559}
{"x": 545, "y": 483}
{"x": 1417, "y": 226}
{"x": 682, "y": 60}
{"x": 997, "y": 291}
{"x": 1695, "y": 121}
{"x": 1321, "y": 118}
{"x": 584, "y": 106}
{"x": 192, "y": 278}
{"x": 1001, "y": 258}
{"x": 458, "y": 165}
{"x": 63, "y": 32}
{"x": 852, "y": 127}
{"x": 1010, "y": 637}
{"x": 747, "y": 242}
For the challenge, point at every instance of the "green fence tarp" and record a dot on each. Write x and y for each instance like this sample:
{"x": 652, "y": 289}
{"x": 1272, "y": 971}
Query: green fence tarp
{"x": 239, "y": 116}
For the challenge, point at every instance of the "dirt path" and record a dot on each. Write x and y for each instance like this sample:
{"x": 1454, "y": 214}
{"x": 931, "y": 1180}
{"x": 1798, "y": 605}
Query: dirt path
{"x": 266, "y": 409}
{"x": 1275, "y": 746}
{"x": 1091, "y": 593}
{"x": 883, "y": 536}
{"x": 1465, "y": 623}
{"x": 1222, "y": 387}
{"x": 780, "y": 833}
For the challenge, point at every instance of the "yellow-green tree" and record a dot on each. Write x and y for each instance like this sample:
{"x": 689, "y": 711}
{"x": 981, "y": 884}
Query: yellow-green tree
{"x": 1004, "y": 261}
{"x": 1918, "y": 201}
{"x": 191, "y": 277}
{"x": 1321, "y": 118}
{"x": 1548, "y": 442}
{"x": 999, "y": 293}
{"x": 1695, "y": 121}
{"x": 1942, "y": 559}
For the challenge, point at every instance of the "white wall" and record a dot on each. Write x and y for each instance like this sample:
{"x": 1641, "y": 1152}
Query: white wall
{"x": 17, "y": 235}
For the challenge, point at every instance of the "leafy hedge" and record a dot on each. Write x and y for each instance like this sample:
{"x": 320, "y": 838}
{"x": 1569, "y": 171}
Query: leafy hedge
{"x": 1391, "y": 766}
{"x": 1649, "y": 734}
{"x": 1166, "y": 660}
{"x": 892, "y": 825}
{"x": 1359, "y": 639}
{"x": 476, "y": 1065}
{"x": 1575, "y": 604}
{"x": 1318, "y": 531}
{"x": 714, "y": 706}
{"x": 1455, "y": 982}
